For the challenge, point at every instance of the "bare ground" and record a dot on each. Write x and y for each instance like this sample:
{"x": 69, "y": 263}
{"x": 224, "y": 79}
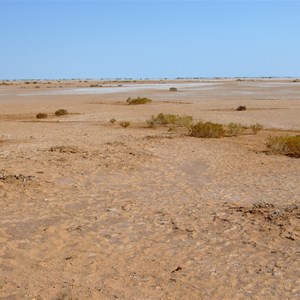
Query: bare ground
{"x": 89, "y": 210}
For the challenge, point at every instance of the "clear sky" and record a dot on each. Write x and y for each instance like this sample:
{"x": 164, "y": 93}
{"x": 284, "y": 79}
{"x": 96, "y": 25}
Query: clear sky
{"x": 149, "y": 39}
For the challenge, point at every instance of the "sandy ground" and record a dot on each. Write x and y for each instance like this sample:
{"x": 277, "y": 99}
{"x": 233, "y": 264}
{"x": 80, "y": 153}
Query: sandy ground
{"x": 90, "y": 210}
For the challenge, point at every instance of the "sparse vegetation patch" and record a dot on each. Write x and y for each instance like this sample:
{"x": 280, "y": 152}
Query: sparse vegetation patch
{"x": 207, "y": 130}
{"x": 286, "y": 145}
{"x": 41, "y": 116}
{"x": 241, "y": 108}
{"x": 170, "y": 119}
{"x": 61, "y": 112}
{"x": 124, "y": 124}
{"x": 138, "y": 100}
{"x": 256, "y": 128}
{"x": 235, "y": 129}
{"x": 173, "y": 89}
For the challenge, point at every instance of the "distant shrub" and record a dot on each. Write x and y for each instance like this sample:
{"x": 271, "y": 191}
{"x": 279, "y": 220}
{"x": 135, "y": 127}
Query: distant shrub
{"x": 235, "y": 129}
{"x": 34, "y": 82}
{"x": 173, "y": 89}
{"x": 112, "y": 121}
{"x": 170, "y": 119}
{"x": 241, "y": 108}
{"x": 138, "y": 100}
{"x": 41, "y": 116}
{"x": 124, "y": 124}
{"x": 296, "y": 80}
{"x": 256, "y": 128}
{"x": 286, "y": 145}
{"x": 61, "y": 112}
{"x": 207, "y": 130}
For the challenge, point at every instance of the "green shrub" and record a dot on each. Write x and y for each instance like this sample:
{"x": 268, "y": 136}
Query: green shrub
{"x": 138, "y": 100}
{"x": 170, "y": 119}
{"x": 124, "y": 124}
{"x": 286, "y": 145}
{"x": 61, "y": 112}
{"x": 173, "y": 89}
{"x": 207, "y": 130}
{"x": 241, "y": 108}
{"x": 41, "y": 116}
{"x": 256, "y": 128}
{"x": 235, "y": 129}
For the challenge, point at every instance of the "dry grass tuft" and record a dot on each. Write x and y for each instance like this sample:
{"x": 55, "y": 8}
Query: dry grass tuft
{"x": 207, "y": 130}
{"x": 124, "y": 124}
{"x": 256, "y": 128}
{"x": 286, "y": 145}
{"x": 235, "y": 129}
{"x": 170, "y": 120}
{"x": 138, "y": 100}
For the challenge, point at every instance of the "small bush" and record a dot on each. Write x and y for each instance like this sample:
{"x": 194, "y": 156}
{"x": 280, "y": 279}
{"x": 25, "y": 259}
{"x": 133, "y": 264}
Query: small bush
{"x": 61, "y": 112}
{"x": 41, "y": 116}
{"x": 124, "y": 124}
{"x": 112, "y": 121}
{"x": 235, "y": 129}
{"x": 241, "y": 108}
{"x": 207, "y": 130}
{"x": 173, "y": 89}
{"x": 286, "y": 145}
{"x": 256, "y": 128}
{"x": 138, "y": 100}
{"x": 170, "y": 119}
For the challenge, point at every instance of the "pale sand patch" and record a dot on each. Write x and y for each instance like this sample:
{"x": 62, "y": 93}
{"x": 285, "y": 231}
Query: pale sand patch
{"x": 89, "y": 210}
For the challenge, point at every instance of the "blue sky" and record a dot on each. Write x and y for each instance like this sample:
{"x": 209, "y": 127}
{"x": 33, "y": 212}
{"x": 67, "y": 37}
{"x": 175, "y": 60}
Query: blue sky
{"x": 149, "y": 39}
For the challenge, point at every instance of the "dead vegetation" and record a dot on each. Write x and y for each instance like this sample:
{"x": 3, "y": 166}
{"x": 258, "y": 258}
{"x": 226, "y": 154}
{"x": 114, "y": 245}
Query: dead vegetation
{"x": 65, "y": 149}
{"x": 270, "y": 217}
{"x": 6, "y": 177}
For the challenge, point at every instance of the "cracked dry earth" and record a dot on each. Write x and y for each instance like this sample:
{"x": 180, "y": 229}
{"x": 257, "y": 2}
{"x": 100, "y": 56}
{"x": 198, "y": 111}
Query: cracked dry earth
{"x": 140, "y": 214}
